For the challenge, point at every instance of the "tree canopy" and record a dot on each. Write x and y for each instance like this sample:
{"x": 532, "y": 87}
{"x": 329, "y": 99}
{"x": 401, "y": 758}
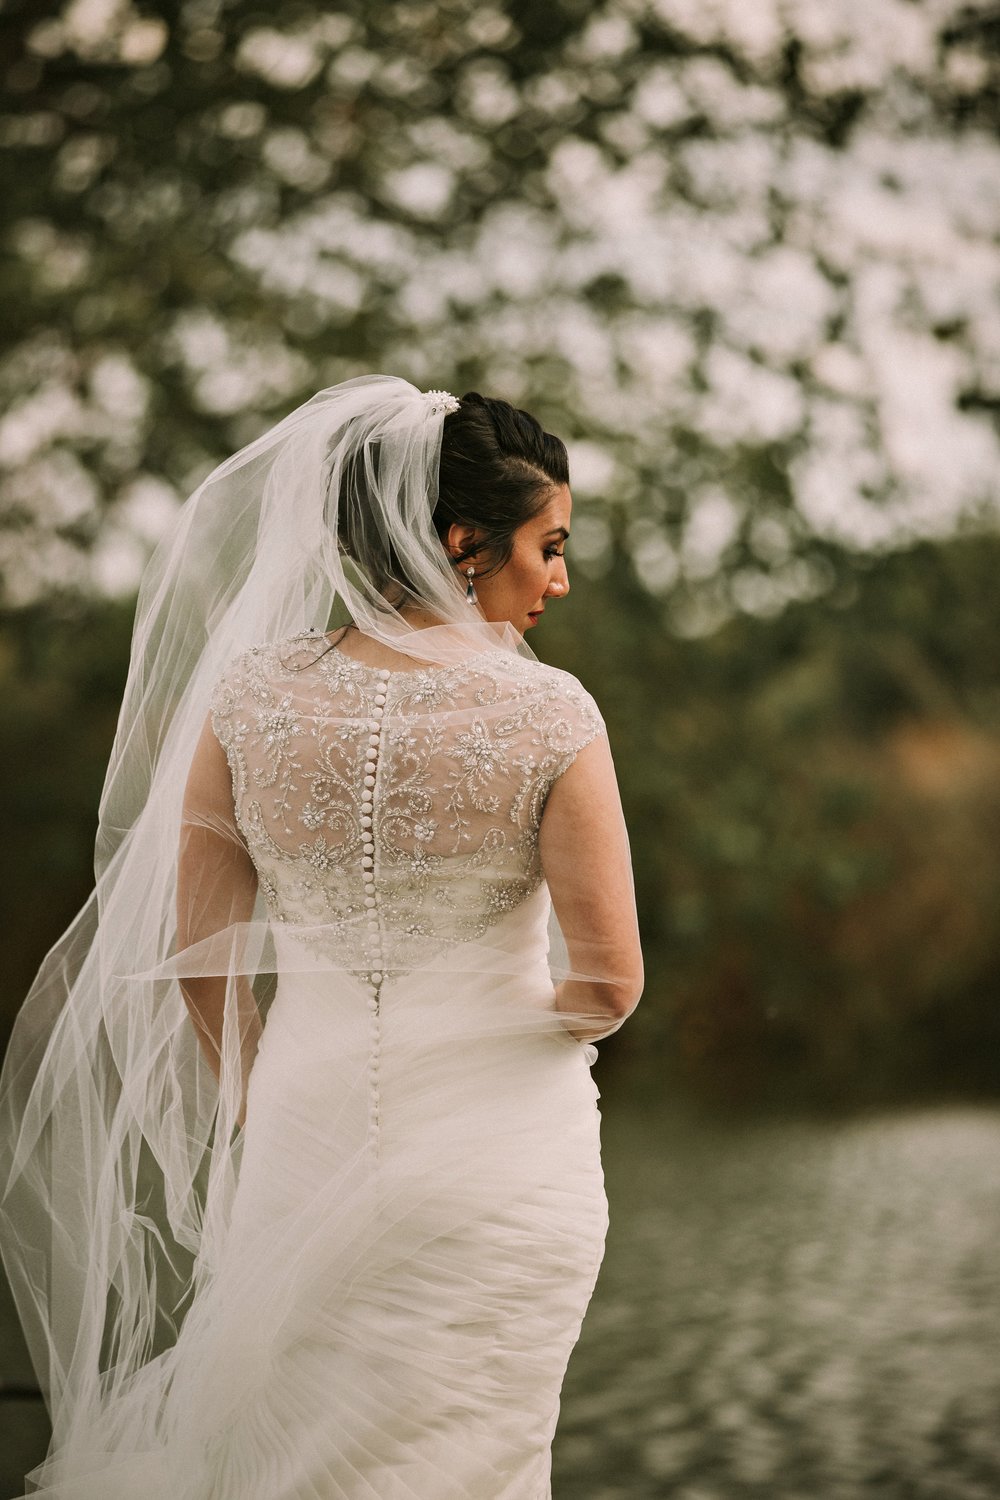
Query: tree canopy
{"x": 742, "y": 253}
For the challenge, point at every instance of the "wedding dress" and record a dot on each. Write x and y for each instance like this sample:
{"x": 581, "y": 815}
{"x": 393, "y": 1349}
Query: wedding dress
{"x": 420, "y": 1215}
{"x": 370, "y": 1288}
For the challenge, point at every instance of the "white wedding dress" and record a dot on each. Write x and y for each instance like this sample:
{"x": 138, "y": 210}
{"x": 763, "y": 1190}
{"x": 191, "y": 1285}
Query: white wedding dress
{"x": 420, "y": 1212}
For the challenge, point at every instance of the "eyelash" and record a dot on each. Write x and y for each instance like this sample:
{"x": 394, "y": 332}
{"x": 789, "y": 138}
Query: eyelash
{"x": 551, "y": 552}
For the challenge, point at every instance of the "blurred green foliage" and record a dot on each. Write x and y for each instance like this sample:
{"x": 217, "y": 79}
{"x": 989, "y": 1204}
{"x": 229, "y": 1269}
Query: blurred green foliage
{"x": 814, "y": 803}
{"x": 62, "y": 672}
{"x": 815, "y": 811}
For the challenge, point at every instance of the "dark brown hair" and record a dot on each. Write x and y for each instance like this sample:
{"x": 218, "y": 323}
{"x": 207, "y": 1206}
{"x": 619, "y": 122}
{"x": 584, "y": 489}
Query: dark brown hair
{"x": 498, "y": 466}
{"x": 497, "y": 469}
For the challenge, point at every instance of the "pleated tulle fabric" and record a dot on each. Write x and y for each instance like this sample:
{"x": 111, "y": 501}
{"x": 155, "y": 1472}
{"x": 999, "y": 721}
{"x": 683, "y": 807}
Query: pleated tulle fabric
{"x": 414, "y": 1239}
{"x": 416, "y": 1235}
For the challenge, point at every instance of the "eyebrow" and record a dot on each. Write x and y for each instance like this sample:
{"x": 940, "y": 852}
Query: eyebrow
{"x": 558, "y": 531}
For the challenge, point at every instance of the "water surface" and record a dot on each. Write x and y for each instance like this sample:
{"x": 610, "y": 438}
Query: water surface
{"x": 793, "y": 1309}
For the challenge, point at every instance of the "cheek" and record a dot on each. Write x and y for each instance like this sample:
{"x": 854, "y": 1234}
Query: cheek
{"x": 532, "y": 573}
{"x": 526, "y": 573}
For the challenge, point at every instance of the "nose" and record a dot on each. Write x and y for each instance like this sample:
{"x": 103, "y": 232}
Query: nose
{"x": 559, "y": 582}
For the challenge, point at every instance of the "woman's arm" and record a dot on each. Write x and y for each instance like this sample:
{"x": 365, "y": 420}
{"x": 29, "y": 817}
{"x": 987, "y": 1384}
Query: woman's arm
{"x": 585, "y": 858}
{"x": 216, "y": 887}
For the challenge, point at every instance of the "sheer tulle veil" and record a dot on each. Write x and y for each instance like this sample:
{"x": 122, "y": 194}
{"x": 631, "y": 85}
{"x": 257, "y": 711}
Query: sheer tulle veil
{"x": 120, "y": 1148}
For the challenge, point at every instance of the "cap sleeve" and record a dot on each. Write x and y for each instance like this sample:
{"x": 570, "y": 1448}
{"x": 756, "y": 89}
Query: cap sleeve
{"x": 240, "y": 687}
{"x": 571, "y": 721}
{"x": 228, "y": 696}
{"x": 578, "y": 720}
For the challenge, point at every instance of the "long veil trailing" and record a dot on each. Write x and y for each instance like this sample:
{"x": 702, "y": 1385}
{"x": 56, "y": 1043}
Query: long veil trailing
{"x": 121, "y": 1150}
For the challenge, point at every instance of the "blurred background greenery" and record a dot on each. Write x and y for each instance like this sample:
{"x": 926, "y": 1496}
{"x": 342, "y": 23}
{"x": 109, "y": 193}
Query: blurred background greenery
{"x": 744, "y": 255}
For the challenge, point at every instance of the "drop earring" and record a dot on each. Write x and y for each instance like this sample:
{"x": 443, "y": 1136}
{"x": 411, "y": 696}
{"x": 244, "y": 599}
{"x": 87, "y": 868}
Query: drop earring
{"x": 470, "y": 593}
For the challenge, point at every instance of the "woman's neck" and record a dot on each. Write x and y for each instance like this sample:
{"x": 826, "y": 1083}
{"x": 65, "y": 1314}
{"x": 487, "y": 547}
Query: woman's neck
{"x": 419, "y": 618}
{"x": 375, "y": 653}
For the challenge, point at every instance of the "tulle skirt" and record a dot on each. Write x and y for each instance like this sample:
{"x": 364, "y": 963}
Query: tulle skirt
{"x": 416, "y": 1233}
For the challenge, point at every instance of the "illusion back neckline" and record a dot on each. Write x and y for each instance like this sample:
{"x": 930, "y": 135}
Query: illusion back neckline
{"x": 365, "y": 666}
{"x": 430, "y": 666}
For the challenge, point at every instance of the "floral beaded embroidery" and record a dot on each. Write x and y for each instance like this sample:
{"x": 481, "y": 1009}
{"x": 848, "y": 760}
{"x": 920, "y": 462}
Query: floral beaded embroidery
{"x": 395, "y": 807}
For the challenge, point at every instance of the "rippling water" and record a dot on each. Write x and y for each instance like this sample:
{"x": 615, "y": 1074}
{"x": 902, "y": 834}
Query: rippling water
{"x": 787, "y": 1310}
{"x": 791, "y": 1310}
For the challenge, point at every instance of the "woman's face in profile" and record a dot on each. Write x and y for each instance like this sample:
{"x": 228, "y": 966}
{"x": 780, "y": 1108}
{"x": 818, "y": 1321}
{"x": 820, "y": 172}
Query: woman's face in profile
{"x": 536, "y": 571}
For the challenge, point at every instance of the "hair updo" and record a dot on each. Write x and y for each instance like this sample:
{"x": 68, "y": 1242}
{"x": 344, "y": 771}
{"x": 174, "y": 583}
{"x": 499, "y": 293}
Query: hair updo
{"x": 498, "y": 467}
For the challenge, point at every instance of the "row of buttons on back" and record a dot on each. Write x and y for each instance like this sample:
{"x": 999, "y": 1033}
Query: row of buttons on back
{"x": 374, "y": 936}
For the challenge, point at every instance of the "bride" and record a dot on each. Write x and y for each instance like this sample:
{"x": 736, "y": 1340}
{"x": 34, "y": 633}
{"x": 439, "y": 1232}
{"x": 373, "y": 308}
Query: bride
{"x": 302, "y": 1193}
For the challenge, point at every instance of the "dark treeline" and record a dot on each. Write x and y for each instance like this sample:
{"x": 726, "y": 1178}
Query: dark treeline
{"x": 814, "y": 803}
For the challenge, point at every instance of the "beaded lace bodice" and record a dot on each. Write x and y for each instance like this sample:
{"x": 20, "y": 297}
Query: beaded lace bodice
{"x": 394, "y": 810}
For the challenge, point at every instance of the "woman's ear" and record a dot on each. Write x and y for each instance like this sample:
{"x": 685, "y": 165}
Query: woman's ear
{"x": 461, "y": 541}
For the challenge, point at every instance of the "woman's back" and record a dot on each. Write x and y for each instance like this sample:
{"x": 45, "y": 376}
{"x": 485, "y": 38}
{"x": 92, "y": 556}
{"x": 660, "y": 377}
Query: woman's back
{"x": 397, "y": 809}
{"x": 420, "y": 1212}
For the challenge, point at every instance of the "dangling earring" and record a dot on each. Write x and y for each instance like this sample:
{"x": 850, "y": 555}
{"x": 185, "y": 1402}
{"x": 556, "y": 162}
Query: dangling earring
{"x": 470, "y": 593}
